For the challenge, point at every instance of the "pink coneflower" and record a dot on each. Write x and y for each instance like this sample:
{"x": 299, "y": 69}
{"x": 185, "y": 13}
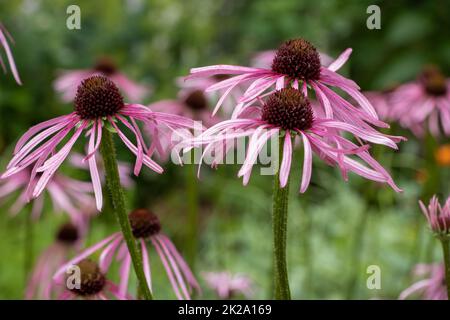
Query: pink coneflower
{"x": 201, "y": 84}
{"x": 93, "y": 285}
{"x": 41, "y": 284}
{"x": 68, "y": 82}
{"x": 288, "y": 112}
{"x": 438, "y": 216}
{"x": 147, "y": 230}
{"x": 191, "y": 103}
{"x": 98, "y": 105}
{"x": 296, "y": 64}
{"x": 4, "y": 36}
{"x": 227, "y": 285}
{"x": 425, "y": 102}
{"x": 431, "y": 288}
{"x": 68, "y": 195}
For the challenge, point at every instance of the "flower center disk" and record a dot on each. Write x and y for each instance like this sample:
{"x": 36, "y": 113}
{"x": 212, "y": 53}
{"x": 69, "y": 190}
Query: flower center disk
{"x": 144, "y": 223}
{"x": 92, "y": 279}
{"x": 67, "y": 234}
{"x": 97, "y": 97}
{"x": 196, "y": 100}
{"x": 298, "y": 59}
{"x": 433, "y": 81}
{"x": 288, "y": 109}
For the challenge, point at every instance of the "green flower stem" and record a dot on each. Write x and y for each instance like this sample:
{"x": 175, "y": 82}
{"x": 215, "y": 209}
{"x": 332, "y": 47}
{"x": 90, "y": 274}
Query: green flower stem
{"x": 28, "y": 249}
{"x": 279, "y": 225}
{"x": 445, "y": 248}
{"x": 115, "y": 188}
{"x": 192, "y": 214}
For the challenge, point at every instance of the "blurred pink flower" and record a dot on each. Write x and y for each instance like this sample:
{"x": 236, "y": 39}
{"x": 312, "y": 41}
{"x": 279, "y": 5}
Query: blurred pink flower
{"x": 147, "y": 230}
{"x": 431, "y": 288}
{"x": 68, "y": 195}
{"x": 93, "y": 285}
{"x": 438, "y": 216}
{"x": 125, "y": 170}
{"x": 98, "y": 104}
{"x": 296, "y": 64}
{"x": 423, "y": 104}
{"x": 289, "y": 112}
{"x": 41, "y": 284}
{"x": 68, "y": 82}
{"x": 4, "y": 36}
{"x": 227, "y": 285}
{"x": 192, "y": 104}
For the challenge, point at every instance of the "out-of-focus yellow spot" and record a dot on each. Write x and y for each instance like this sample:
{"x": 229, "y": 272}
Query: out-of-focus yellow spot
{"x": 442, "y": 155}
{"x": 421, "y": 176}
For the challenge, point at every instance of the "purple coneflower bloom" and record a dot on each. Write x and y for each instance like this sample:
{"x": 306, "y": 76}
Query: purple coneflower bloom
{"x": 438, "y": 216}
{"x": 68, "y": 82}
{"x": 41, "y": 284}
{"x": 68, "y": 195}
{"x": 93, "y": 285}
{"x": 423, "y": 102}
{"x": 98, "y": 104}
{"x": 147, "y": 230}
{"x": 289, "y": 112}
{"x": 227, "y": 285}
{"x": 4, "y": 36}
{"x": 296, "y": 64}
{"x": 191, "y": 103}
{"x": 432, "y": 288}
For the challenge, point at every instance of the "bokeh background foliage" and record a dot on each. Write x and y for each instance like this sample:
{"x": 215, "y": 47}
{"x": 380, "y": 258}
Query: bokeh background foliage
{"x": 336, "y": 229}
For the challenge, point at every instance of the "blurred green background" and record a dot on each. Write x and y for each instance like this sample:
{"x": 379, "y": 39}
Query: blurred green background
{"x": 336, "y": 229}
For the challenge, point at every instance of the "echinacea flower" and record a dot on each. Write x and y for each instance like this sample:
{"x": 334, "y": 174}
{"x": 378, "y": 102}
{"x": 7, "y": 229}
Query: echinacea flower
{"x": 438, "y": 216}
{"x": 192, "y": 104}
{"x": 288, "y": 112}
{"x": 68, "y": 82}
{"x": 147, "y": 230}
{"x": 431, "y": 288}
{"x": 4, "y": 36}
{"x": 423, "y": 104}
{"x": 93, "y": 284}
{"x": 41, "y": 284}
{"x": 228, "y": 285}
{"x": 98, "y": 104}
{"x": 67, "y": 195}
{"x": 296, "y": 64}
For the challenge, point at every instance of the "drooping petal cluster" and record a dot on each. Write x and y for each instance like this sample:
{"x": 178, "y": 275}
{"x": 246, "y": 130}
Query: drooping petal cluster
{"x": 4, "y": 37}
{"x": 431, "y": 288}
{"x": 68, "y": 195}
{"x": 438, "y": 216}
{"x": 287, "y": 112}
{"x": 98, "y": 105}
{"x": 296, "y": 64}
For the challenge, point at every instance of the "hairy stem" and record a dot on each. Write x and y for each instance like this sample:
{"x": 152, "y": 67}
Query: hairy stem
{"x": 445, "y": 248}
{"x": 118, "y": 200}
{"x": 279, "y": 225}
